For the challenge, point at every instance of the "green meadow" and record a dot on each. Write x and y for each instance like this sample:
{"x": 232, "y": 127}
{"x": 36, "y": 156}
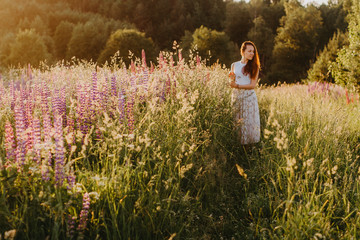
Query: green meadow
{"x": 151, "y": 153}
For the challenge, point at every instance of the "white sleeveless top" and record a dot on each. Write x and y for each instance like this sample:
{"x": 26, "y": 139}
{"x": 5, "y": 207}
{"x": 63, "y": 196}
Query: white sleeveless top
{"x": 240, "y": 78}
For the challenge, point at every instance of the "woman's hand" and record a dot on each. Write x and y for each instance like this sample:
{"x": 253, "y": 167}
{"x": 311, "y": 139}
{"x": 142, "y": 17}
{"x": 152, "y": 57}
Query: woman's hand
{"x": 232, "y": 76}
{"x": 233, "y": 84}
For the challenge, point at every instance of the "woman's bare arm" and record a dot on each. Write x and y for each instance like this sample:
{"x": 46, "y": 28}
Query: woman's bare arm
{"x": 250, "y": 86}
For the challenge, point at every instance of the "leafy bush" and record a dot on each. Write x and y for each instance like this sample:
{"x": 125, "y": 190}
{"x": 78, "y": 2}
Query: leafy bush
{"x": 212, "y": 45}
{"x": 319, "y": 71}
{"x": 126, "y": 40}
{"x": 28, "y": 48}
{"x": 346, "y": 70}
{"x": 62, "y": 36}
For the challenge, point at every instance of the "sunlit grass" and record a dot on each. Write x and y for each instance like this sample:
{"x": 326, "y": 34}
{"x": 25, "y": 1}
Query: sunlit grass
{"x": 150, "y": 153}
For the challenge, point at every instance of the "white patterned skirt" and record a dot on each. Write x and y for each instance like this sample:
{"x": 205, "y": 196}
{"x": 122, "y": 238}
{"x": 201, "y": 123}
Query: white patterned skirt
{"x": 246, "y": 115}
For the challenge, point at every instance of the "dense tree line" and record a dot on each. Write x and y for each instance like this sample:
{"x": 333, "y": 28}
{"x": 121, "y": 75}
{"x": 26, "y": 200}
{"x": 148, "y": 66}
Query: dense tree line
{"x": 289, "y": 36}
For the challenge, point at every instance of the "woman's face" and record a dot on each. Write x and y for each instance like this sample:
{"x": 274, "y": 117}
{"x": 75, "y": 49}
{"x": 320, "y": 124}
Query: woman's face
{"x": 249, "y": 52}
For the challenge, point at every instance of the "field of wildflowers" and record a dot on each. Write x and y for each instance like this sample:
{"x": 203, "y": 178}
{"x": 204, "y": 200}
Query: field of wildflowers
{"x": 149, "y": 152}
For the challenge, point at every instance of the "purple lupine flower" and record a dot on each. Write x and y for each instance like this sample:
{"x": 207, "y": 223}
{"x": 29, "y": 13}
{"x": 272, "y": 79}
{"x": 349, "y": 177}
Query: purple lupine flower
{"x": 59, "y": 104}
{"x": 25, "y": 103}
{"x": 59, "y": 151}
{"x": 79, "y": 106}
{"x": 94, "y": 89}
{"x": 10, "y": 144}
{"x": 121, "y": 107}
{"x": 45, "y": 92}
{"x": 71, "y": 127}
{"x": 47, "y": 126}
{"x": 36, "y": 131}
{"x": 130, "y": 112}
{"x": 89, "y": 108}
{"x": 70, "y": 232}
{"x": 84, "y": 214}
{"x": 13, "y": 96}
{"x": 82, "y": 108}
{"x": 113, "y": 86}
{"x": 132, "y": 81}
{"x": 20, "y": 135}
{"x": 146, "y": 78}
{"x": 105, "y": 95}
{"x": 47, "y": 129}
{"x": 71, "y": 178}
{"x": 62, "y": 102}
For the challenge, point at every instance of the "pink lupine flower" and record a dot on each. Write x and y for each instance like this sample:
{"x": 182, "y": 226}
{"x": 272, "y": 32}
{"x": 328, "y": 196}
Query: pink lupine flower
{"x": 132, "y": 67}
{"x": 10, "y": 144}
{"x": 84, "y": 214}
{"x": 36, "y": 136}
{"x": 197, "y": 60}
{"x": 171, "y": 61}
{"x": 143, "y": 58}
{"x": 180, "y": 56}
{"x": 347, "y": 97}
{"x": 161, "y": 60}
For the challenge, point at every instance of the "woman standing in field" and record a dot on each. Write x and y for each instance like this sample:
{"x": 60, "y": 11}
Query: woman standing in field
{"x": 244, "y": 75}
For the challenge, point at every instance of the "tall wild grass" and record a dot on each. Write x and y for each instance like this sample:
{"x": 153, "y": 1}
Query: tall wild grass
{"x": 150, "y": 153}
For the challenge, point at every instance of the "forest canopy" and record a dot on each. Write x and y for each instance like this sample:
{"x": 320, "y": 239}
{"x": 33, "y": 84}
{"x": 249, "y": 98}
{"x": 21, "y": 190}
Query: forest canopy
{"x": 289, "y": 36}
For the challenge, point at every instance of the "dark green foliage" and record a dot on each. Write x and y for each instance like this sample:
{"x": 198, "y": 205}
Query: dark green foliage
{"x": 28, "y": 48}
{"x": 128, "y": 40}
{"x": 263, "y": 38}
{"x": 62, "y": 37}
{"x": 333, "y": 16}
{"x": 295, "y": 43}
{"x": 5, "y": 50}
{"x": 320, "y": 69}
{"x": 346, "y": 70}
{"x": 238, "y": 21}
{"x": 212, "y": 45}
{"x": 88, "y": 39}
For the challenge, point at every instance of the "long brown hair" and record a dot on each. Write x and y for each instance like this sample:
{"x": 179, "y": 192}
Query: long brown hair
{"x": 253, "y": 66}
